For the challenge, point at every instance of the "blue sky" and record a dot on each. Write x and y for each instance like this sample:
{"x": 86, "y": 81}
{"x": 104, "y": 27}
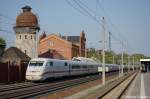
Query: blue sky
{"x": 127, "y": 20}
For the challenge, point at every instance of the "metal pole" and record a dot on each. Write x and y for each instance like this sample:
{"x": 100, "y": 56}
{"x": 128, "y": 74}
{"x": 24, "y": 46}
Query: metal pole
{"x": 133, "y": 63}
{"x": 36, "y": 45}
{"x": 119, "y": 69}
{"x": 8, "y": 77}
{"x": 109, "y": 41}
{"x": 113, "y": 59}
{"x": 85, "y": 52}
{"x": 122, "y": 62}
{"x": 128, "y": 63}
{"x": 103, "y": 53}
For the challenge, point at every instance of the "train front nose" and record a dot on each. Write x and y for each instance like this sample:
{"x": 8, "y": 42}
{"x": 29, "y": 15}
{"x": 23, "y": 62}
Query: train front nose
{"x": 35, "y": 70}
{"x": 34, "y": 74}
{"x": 34, "y": 77}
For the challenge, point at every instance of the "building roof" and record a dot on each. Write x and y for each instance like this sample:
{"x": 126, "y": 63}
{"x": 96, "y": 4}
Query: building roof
{"x": 14, "y": 54}
{"x": 145, "y": 60}
{"x": 55, "y": 36}
{"x": 26, "y": 18}
{"x": 73, "y": 39}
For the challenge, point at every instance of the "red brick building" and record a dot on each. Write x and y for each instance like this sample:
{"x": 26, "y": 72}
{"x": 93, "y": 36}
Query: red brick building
{"x": 62, "y": 47}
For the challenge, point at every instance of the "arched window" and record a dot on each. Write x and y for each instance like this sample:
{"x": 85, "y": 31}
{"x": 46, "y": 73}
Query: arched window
{"x": 20, "y": 36}
{"x": 25, "y": 36}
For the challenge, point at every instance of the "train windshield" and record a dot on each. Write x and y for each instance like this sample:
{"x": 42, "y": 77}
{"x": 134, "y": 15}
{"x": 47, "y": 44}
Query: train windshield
{"x": 36, "y": 63}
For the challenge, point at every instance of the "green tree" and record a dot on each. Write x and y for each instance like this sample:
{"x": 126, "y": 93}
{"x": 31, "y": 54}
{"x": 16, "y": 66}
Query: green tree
{"x": 109, "y": 57}
{"x": 119, "y": 58}
{"x": 2, "y": 43}
{"x": 92, "y": 53}
{"x": 138, "y": 56}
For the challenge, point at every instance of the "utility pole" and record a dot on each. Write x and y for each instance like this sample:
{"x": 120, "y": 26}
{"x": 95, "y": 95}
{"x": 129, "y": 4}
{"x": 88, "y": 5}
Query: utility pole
{"x": 122, "y": 60}
{"x": 36, "y": 44}
{"x": 109, "y": 41}
{"x": 113, "y": 59}
{"x": 103, "y": 52}
{"x": 85, "y": 51}
{"x": 128, "y": 62}
{"x": 133, "y": 63}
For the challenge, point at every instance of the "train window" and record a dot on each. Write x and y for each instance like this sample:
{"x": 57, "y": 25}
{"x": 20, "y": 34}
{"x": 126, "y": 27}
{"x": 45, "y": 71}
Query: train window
{"x": 84, "y": 66}
{"x": 65, "y": 64}
{"x": 36, "y": 63}
{"x": 51, "y": 63}
{"x": 76, "y": 67}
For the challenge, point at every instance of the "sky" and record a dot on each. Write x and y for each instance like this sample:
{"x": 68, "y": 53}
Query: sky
{"x": 127, "y": 20}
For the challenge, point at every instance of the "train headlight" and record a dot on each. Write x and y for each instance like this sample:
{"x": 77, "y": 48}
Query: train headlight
{"x": 35, "y": 71}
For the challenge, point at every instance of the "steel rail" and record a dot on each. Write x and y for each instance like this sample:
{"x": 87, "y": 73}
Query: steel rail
{"x": 41, "y": 89}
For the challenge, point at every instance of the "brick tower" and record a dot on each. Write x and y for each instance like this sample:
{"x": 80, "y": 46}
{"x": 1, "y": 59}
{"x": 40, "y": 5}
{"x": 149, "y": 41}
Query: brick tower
{"x": 26, "y": 30}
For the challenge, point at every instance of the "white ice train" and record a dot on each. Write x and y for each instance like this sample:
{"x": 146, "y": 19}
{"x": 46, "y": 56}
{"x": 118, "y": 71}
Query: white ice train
{"x": 40, "y": 69}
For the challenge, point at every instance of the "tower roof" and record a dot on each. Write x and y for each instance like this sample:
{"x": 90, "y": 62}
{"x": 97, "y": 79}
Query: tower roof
{"x": 26, "y": 18}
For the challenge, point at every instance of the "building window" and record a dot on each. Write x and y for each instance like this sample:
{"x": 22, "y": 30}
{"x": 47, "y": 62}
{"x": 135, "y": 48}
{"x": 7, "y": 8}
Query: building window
{"x": 31, "y": 36}
{"x": 20, "y": 36}
{"x": 25, "y": 36}
{"x": 25, "y": 51}
{"x": 51, "y": 43}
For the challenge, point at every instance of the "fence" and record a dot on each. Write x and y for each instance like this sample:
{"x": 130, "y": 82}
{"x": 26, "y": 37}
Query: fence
{"x": 12, "y": 72}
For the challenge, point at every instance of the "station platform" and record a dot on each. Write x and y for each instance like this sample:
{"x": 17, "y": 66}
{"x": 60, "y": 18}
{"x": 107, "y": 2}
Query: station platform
{"x": 139, "y": 88}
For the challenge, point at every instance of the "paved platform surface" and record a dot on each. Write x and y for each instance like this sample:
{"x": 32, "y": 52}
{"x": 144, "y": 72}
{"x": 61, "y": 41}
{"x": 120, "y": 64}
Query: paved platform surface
{"x": 140, "y": 87}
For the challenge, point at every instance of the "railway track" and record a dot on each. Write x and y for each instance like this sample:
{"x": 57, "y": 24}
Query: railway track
{"x": 116, "y": 91}
{"x": 5, "y": 87}
{"x": 30, "y": 90}
{"x": 17, "y": 86}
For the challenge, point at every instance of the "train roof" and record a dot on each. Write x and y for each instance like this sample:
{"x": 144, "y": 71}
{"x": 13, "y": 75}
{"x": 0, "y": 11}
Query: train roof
{"x": 84, "y": 59}
{"x": 142, "y": 60}
{"x": 45, "y": 59}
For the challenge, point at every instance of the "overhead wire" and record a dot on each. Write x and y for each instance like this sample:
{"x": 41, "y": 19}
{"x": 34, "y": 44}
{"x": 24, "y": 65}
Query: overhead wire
{"x": 112, "y": 25}
{"x": 88, "y": 13}
{"x": 83, "y": 4}
{"x": 6, "y": 23}
{"x": 5, "y": 33}
{"x": 72, "y": 5}
{"x": 6, "y": 17}
{"x": 83, "y": 10}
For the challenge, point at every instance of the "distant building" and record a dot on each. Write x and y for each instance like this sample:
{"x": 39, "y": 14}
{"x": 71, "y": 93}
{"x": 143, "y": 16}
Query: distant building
{"x": 14, "y": 55}
{"x": 26, "y": 29}
{"x": 62, "y": 47}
